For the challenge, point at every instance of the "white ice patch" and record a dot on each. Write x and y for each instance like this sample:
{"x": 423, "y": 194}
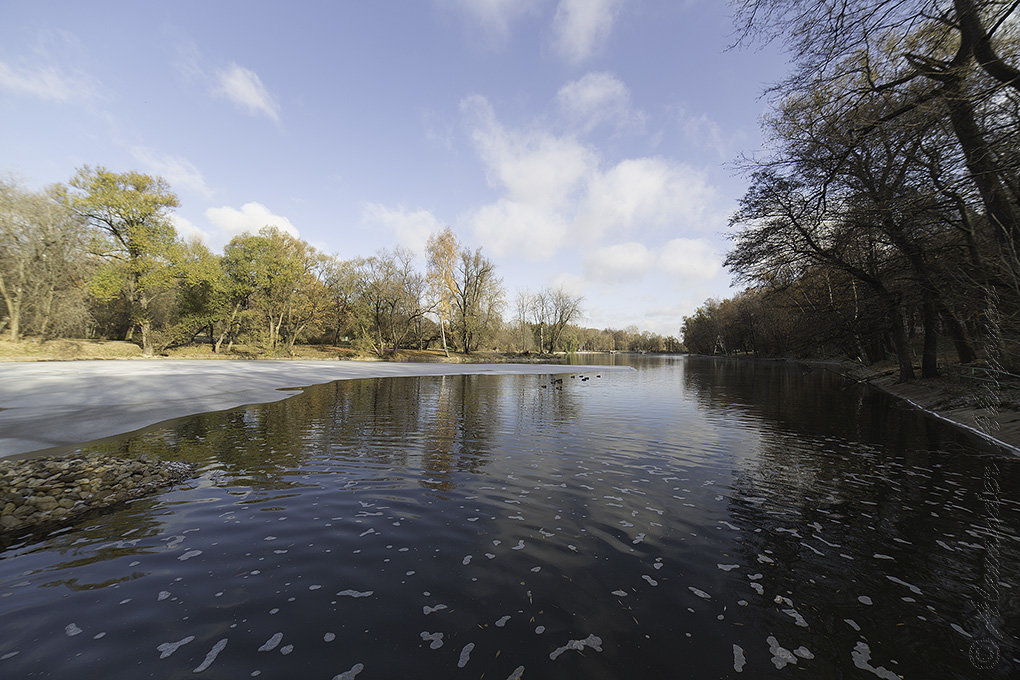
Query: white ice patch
{"x": 758, "y": 588}
{"x": 864, "y": 599}
{"x": 738, "y": 659}
{"x": 355, "y": 593}
{"x": 429, "y": 610}
{"x": 637, "y": 539}
{"x": 502, "y": 621}
{"x": 329, "y": 637}
{"x": 620, "y": 593}
{"x": 270, "y": 644}
{"x": 728, "y": 567}
{"x": 436, "y": 639}
{"x": 913, "y": 588}
{"x": 519, "y": 546}
{"x": 862, "y": 656}
{"x": 803, "y": 652}
{"x": 516, "y": 675}
{"x": 163, "y": 594}
{"x": 593, "y": 641}
{"x": 168, "y": 648}
{"x": 352, "y": 673}
{"x": 797, "y": 618}
{"x": 286, "y": 649}
{"x": 188, "y": 555}
{"x": 780, "y": 655}
{"x": 651, "y": 581}
{"x": 700, "y": 593}
{"x": 465, "y": 655}
{"x": 211, "y": 656}
{"x": 72, "y": 629}
{"x": 466, "y": 561}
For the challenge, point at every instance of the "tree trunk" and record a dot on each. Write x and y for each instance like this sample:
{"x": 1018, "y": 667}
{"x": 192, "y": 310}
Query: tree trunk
{"x": 899, "y": 340}
{"x": 965, "y": 353}
{"x": 929, "y": 356}
{"x": 442, "y": 334}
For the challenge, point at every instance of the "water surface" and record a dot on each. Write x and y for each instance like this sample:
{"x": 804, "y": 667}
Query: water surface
{"x": 695, "y": 518}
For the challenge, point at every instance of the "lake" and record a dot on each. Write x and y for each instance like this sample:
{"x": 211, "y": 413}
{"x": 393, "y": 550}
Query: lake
{"x": 694, "y": 518}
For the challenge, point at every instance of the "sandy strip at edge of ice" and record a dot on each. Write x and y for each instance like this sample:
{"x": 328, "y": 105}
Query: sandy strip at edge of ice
{"x": 62, "y": 403}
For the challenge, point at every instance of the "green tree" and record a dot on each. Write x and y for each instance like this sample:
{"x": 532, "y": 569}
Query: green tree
{"x": 130, "y": 211}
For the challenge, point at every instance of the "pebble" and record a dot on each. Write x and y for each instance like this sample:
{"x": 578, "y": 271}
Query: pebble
{"x": 54, "y": 490}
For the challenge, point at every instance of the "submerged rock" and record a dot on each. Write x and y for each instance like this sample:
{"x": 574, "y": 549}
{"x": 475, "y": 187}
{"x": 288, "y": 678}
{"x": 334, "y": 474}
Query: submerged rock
{"x": 51, "y": 490}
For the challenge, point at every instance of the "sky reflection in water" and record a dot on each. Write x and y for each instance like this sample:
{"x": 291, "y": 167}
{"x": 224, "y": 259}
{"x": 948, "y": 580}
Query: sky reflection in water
{"x": 698, "y": 517}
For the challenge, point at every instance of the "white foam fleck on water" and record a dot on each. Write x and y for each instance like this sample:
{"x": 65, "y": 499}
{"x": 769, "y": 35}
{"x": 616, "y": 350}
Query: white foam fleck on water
{"x": 651, "y": 581}
{"x": 519, "y": 546}
{"x": 593, "y": 641}
{"x": 637, "y": 539}
{"x": 861, "y": 656}
{"x": 188, "y": 555}
{"x": 355, "y": 593}
{"x": 620, "y": 593}
{"x": 864, "y": 599}
{"x": 270, "y": 644}
{"x": 72, "y": 629}
{"x": 502, "y": 621}
{"x": 168, "y": 648}
{"x": 797, "y": 618}
{"x": 516, "y": 675}
{"x": 436, "y": 639}
{"x": 465, "y": 655}
{"x": 211, "y": 656}
{"x": 429, "y": 610}
{"x": 314, "y": 587}
{"x": 351, "y": 674}
{"x": 765, "y": 559}
{"x": 99, "y": 636}
{"x": 286, "y": 649}
{"x": 913, "y": 588}
{"x": 163, "y": 594}
{"x": 329, "y": 637}
{"x": 803, "y": 652}
{"x": 700, "y": 593}
{"x": 738, "y": 659}
{"x": 466, "y": 561}
{"x": 536, "y": 569}
{"x": 490, "y": 556}
{"x": 657, "y": 565}
{"x": 496, "y": 541}
{"x": 728, "y": 567}
{"x": 780, "y": 655}
{"x": 539, "y": 630}
{"x": 853, "y": 624}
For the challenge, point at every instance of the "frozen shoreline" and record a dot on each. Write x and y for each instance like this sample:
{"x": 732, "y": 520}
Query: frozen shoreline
{"x": 62, "y": 403}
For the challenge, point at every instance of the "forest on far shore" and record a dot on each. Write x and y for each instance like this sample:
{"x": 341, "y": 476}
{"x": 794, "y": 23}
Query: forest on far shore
{"x": 99, "y": 258}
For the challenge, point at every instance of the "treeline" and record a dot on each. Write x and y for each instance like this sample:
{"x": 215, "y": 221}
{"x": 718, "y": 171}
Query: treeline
{"x": 100, "y": 258}
{"x": 887, "y": 203}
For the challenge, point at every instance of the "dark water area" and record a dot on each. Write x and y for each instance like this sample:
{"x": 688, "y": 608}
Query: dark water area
{"x": 694, "y": 518}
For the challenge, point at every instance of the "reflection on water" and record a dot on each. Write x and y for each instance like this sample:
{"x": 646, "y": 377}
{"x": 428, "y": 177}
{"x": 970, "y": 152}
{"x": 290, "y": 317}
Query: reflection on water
{"x": 695, "y": 518}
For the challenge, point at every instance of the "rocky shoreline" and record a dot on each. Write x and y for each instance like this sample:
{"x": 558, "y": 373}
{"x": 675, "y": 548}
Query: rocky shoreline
{"x": 54, "y": 490}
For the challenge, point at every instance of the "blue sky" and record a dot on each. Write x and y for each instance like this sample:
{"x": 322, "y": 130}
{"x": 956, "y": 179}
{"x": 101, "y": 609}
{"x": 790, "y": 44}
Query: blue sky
{"x": 583, "y": 143}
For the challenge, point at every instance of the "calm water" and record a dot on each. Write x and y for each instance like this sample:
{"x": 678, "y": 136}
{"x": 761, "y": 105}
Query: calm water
{"x": 694, "y": 518}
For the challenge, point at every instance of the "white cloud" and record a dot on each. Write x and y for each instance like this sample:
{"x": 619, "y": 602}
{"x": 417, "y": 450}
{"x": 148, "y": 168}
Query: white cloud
{"x": 412, "y": 228}
{"x": 45, "y": 82}
{"x": 618, "y": 263}
{"x": 179, "y": 172}
{"x": 245, "y": 89}
{"x": 581, "y": 26}
{"x": 704, "y": 133}
{"x": 187, "y": 229}
{"x": 250, "y": 218}
{"x": 691, "y": 260}
{"x": 494, "y": 17}
{"x": 554, "y": 191}
{"x": 645, "y": 192}
{"x": 597, "y": 98}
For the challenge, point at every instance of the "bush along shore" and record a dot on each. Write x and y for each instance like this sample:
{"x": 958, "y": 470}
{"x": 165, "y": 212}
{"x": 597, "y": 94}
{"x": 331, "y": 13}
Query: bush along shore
{"x": 38, "y": 492}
